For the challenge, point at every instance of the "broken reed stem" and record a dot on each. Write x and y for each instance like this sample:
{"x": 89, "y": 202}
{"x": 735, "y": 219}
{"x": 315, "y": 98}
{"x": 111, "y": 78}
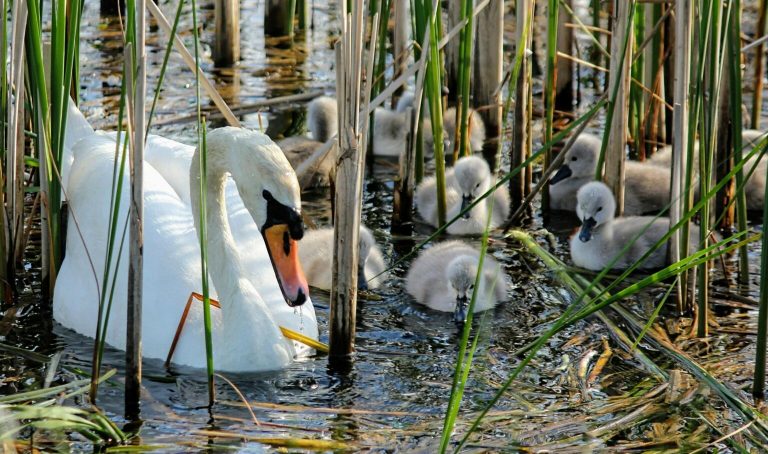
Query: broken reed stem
{"x": 226, "y": 43}
{"x": 349, "y": 180}
{"x": 521, "y": 134}
{"x": 680, "y": 115}
{"x": 621, "y": 45}
{"x": 487, "y": 78}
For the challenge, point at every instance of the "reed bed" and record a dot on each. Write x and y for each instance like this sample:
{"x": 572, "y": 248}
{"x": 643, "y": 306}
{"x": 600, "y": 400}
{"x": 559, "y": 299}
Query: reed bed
{"x": 654, "y": 362}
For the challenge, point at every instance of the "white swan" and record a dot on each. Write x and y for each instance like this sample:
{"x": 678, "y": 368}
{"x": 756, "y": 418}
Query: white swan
{"x": 246, "y": 333}
{"x": 646, "y": 186}
{"x": 322, "y": 122}
{"x": 316, "y": 256}
{"x": 467, "y": 180}
{"x": 603, "y": 237}
{"x": 443, "y": 277}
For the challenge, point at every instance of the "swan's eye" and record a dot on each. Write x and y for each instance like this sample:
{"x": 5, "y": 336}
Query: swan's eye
{"x": 574, "y": 158}
{"x": 600, "y": 209}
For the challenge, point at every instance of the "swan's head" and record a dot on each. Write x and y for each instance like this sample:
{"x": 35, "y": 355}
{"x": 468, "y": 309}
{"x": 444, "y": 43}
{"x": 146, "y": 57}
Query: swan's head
{"x": 367, "y": 242}
{"x": 461, "y": 272}
{"x": 581, "y": 160}
{"x": 270, "y": 192}
{"x": 473, "y": 177}
{"x": 322, "y": 118}
{"x": 595, "y": 206}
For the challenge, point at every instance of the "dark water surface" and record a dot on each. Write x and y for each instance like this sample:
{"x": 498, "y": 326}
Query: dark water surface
{"x": 400, "y": 382}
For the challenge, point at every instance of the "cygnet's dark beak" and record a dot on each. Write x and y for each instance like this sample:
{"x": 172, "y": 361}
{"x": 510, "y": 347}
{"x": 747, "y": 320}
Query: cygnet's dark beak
{"x": 466, "y": 201}
{"x": 362, "y": 282}
{"x": 587, "y": 225}
{"x": 562, "y": 173}
{"x": 462, "y": 307}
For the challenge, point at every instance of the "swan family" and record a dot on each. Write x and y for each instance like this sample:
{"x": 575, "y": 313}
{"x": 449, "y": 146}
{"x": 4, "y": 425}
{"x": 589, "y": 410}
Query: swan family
{"x": 258, "y": 249}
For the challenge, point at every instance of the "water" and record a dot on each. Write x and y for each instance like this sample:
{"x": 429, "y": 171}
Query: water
{"x": 400, "y": 382}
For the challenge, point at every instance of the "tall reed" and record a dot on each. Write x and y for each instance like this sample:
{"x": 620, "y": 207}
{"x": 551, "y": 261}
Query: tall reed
{"x": 550, "y": 84}
{"x": 52, "y": 109}
{"x": 735, "y": 83}
{"x": 466, "y": 45}
{"x": 202, "y": 229}
{"x": 427, "y": 18}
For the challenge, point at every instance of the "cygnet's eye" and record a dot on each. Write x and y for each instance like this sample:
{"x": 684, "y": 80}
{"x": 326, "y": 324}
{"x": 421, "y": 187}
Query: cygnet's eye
{"x": 471, "y": 287}
{"x": 477, "y": 185}
{"x": 600, "y": 209}
{"x": 574, "y": 158}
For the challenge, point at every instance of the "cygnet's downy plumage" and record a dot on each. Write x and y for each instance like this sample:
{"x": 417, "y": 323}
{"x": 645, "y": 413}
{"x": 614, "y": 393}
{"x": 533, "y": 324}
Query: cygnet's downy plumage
{"x": 443, "y": 277}
{"x": 322, "y": 122}
{"x": 646, "y": 186}
{"x": 316, "y": 257}
{"x": 754, "y": 189}
{"x": 465, "y": 182}
{"x": 476, "y": 132}
{"x": 603, "y": 237}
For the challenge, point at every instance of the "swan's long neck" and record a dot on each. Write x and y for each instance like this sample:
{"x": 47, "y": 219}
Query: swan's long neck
{"x": 223, "y": 259}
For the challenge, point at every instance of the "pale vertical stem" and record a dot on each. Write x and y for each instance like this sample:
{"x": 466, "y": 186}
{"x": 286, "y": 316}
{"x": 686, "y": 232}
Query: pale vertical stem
{"x": 486, "y": 83}
{"x": 680, "y": 114}
{"x": 549, "y": 88}
{"x": 564, "y": 86}
{"x": 226, "y": 44}
{"x": 15, "y": 130}
{"x": 178, "y": 44}
{"x": 452, "y": 52}
{"x": 400, "y": 44}
{"x": 757, "y": 96}
{"x": 619, "y": 84}
{"x": 136, "y": 232}
{"x": 349, "y": 183}
{"x": 520, "y": 126}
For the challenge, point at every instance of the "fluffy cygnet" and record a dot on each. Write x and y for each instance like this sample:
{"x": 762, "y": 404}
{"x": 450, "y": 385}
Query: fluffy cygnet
{"x": 754, "y": 189}
{"x": 443, "y": 277}
{"x": 468, "y": 179}
{"x": 646, "y": 186}
{"x": 316, "y": 257}
{"x": 603, "y": 237}
{"x": 322, "y": 122}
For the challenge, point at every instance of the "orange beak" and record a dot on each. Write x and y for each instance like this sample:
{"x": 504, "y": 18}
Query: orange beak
{"x": 284, "y": 253}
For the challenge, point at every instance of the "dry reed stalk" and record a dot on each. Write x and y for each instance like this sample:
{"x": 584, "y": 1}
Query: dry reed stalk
{"x": 488, "y": 72}
{"x": 680, "y": 114}
{"x": 619, "y": 83}
{"x": 521, "y": 135}
{"x": 352, "y": 141}
{"x": 226, "y": 43}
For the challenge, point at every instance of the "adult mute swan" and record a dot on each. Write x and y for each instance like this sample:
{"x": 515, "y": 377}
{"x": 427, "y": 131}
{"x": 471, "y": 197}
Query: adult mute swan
{"x": 443, "y": 278}
{"x": 603, "y": 237}
{"x": 647, "y": 186}
{"x": 246, "y": 332}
